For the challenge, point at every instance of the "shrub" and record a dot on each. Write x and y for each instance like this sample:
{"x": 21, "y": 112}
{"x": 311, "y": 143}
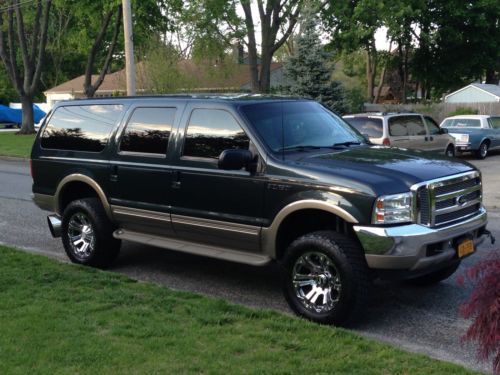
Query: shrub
{"x": 460, "y": 111}
{"x": 483, "y": 306}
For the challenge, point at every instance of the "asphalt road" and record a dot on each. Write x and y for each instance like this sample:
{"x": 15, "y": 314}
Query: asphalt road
{"x": 423, "y": 320}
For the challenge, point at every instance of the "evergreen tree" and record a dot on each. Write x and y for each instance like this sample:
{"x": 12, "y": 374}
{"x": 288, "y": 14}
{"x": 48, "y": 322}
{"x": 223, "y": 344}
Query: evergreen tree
{"x": 308, "y": 71}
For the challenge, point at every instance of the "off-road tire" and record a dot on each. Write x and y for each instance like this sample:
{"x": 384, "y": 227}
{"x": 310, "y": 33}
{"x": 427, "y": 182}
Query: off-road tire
{"x": 434, "y": 277}
{"x": 105, "y": 247}
{"x": 482, "y": 151}
{"x": 348, "y": 258}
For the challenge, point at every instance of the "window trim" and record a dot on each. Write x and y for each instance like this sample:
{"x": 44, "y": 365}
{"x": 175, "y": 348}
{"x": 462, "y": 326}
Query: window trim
{"x": 52, "y": 112}
{"x": 202, "y": 159}
{"x": 138, "y": 153}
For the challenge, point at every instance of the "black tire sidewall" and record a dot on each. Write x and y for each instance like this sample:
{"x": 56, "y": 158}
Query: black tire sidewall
{"x": 105, "y": 246}
{"x": 450, "y": 150}
{"x": 480, "y": 153}
{"x": 327, "y": 246}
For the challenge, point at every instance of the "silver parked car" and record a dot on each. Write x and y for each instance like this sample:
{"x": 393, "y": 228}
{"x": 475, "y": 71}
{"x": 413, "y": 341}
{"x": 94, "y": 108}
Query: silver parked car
{"x": 405, "y": 130}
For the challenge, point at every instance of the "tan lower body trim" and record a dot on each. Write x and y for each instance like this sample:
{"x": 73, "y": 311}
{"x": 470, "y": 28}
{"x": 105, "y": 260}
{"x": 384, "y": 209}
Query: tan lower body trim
{"x": 44, "y": 201}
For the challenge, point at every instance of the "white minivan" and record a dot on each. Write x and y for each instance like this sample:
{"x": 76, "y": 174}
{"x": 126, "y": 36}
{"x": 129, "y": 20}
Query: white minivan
{"x": 405, "y": 130}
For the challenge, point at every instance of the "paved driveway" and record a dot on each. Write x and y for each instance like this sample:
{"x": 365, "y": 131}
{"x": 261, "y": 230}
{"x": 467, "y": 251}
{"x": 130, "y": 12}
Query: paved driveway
{"x": 423, "y": 320}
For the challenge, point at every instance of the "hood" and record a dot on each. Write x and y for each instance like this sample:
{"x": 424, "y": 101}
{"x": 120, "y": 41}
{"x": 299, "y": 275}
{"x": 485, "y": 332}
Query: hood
{"x": 384, "y": 170}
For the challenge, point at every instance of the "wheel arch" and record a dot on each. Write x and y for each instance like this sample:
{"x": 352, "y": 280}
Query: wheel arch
{"x": 277, "y": 236}
{"x": 82, "y": 186}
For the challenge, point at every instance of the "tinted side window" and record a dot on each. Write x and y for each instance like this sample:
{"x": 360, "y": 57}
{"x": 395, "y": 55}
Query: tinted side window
{"x": 148, "y": 130}
{"x": 81, "y": 127}
{"x": 397, "y": 127}
{"x": 371, "y": 127}
{"x": 432, "y": 126}
{"x": 211, "y": 131}
{"x": 415, "y": 125}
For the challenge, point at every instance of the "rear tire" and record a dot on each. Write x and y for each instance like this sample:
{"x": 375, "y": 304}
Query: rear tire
{"x": 482, "y": 151}
{"x": 326, "y": 278}
{"x": 87, "y": 234}
{"x": 434, "y": 277}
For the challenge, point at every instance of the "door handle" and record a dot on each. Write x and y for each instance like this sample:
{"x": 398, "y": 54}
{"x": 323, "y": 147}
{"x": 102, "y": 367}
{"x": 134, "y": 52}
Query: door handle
{"x": 426, "y": 139}
{"x": 431, "y": 138}
{"x": 176, "y": 180}
{"x": 113, "y": 177}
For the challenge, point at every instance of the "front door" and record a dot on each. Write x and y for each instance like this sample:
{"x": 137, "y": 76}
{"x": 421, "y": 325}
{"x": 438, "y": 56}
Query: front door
{"x": 213, "y": 206}
{"x": 438, "y": 140}
{"x": 140, "y": 177}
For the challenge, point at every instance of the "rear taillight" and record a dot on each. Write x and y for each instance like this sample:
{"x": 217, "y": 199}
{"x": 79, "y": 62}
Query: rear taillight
{"x": 386, "y": 142}
{"x": 31, "y": 168}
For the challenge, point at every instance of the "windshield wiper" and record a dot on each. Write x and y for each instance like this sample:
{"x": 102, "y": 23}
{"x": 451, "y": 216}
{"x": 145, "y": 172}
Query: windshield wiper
{"x": 346, "y": 144}
{"x": 299, "y": 148}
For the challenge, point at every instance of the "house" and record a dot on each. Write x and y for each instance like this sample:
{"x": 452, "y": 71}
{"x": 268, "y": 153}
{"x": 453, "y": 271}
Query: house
{"x": 204, "y": 78}
{"x": 475, "y": 93}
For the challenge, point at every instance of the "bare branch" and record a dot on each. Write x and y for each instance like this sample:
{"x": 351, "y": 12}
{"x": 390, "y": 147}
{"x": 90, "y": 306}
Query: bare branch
{"x": 41, "y": 47}
{"x": 109, "y": 56}
{"x": 36, "y": 32}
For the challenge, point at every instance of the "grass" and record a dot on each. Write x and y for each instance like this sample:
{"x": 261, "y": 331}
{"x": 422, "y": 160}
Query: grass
{"x": 12, "y": 144}
{"x": 60, "y": 318}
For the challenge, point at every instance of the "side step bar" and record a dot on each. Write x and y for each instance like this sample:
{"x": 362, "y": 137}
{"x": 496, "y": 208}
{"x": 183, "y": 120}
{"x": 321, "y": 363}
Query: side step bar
{"x": 193, "y": 248}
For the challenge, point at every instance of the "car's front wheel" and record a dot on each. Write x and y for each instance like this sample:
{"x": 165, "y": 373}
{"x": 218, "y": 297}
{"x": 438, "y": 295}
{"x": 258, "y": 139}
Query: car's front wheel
{"x": 325, "y": 278}
{"x": 482, "y": 151}
{"x": 450, "y": 151}
{"x": 87, "y": 234}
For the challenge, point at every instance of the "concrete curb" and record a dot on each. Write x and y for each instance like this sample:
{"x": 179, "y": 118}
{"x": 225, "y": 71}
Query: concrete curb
{"x": 13, "y": 158}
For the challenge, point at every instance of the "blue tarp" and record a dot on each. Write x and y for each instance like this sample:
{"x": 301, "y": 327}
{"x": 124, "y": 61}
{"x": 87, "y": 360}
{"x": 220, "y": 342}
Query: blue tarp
{"x": 15, "y": 116}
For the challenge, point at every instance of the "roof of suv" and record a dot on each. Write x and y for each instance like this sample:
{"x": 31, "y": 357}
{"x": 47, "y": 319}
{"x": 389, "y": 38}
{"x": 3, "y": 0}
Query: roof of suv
{"x": 237, "y": 98}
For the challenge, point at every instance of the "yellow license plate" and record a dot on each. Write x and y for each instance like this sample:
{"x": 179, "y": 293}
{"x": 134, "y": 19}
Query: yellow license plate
{"x": 465, "y": 247}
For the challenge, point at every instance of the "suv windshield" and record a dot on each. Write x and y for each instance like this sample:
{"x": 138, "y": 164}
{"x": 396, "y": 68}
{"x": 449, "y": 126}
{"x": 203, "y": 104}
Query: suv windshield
{"x": 299, "y": 125}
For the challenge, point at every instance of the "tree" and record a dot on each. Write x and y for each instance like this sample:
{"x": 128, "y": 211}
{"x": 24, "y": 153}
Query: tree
{"x": 308, "y": 72}
{"x": 277, "y": 19}
{"x": 353, "y": 25}
{"x": 90, "y": 87}
{"x": 31, "y": 45}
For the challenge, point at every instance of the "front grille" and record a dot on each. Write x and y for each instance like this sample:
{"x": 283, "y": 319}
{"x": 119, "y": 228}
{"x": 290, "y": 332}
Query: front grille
{"x": 449, "y": 200}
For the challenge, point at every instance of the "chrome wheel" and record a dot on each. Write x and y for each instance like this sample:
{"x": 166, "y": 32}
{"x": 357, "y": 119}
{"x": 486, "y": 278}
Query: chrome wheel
{"x": 316, "y": 282}
{"x": 450, "y": 152}
{"x": 81, "y": 235}
{"x": 483, "y": 150}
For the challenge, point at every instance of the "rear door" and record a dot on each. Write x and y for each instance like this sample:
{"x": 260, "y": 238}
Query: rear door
{"x": 419, "y": 139}
{"x": 398, "y": 131}
{"x": 371, "y": 127}
{"x": 140, "y": 175}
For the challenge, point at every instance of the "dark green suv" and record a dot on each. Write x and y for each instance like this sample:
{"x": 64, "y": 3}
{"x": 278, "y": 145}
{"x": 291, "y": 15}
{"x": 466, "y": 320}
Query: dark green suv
{"x": 253, "y": 180}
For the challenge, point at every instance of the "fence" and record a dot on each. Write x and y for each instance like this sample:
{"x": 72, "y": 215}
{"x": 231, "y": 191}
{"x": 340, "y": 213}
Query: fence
{"x": 436, "y": 110}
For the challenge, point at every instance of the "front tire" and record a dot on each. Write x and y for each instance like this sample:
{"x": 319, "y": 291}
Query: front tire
{"x": 326, "y": 278}
{"x": 450, "y": 151}
{"x": 482, "y": 152}
{"x": 87, "y": 234}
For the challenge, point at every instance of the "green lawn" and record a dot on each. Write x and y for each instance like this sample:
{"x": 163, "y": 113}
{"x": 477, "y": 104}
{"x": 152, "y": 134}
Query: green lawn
{"x": 12, "y": 144}
{"x": 60, "y": 318}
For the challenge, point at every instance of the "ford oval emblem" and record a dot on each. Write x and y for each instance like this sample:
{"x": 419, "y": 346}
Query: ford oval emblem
{"x": 462, "y": 200}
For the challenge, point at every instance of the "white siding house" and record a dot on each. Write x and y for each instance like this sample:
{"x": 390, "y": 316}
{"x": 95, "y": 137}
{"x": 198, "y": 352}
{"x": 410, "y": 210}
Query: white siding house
{"x": 475, "y": 93}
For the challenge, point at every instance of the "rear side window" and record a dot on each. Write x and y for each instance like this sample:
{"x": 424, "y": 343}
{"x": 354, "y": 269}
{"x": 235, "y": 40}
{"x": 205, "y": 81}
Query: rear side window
{"x": 495, "y": 122}
{"x": 211, "y": 131}
{"x": 406, "y": 126}
{"x": 148, "y": 130}
{"x": 370, "y": 127}
{"x": 462, "y": 123}
{"x": 81, "y": 127}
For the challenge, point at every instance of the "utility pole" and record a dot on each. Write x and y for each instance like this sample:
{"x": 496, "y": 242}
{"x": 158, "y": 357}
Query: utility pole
{"x": 129, "y": 47}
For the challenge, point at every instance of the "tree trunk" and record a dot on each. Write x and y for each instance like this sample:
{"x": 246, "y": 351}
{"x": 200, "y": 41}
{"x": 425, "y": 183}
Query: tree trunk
{"x": 28, "y": 124}
{"x": 265, "y": 70}
{"x": 370, "y": 75}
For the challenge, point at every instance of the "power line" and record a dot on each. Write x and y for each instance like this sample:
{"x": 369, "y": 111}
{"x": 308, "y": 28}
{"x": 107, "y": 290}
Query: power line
{"x": 18, "y": 5}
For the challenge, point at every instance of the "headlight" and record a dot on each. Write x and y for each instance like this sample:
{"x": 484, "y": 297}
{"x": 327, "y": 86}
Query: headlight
{"x": 392, "y": 209}
{"x": 460, "y": 137}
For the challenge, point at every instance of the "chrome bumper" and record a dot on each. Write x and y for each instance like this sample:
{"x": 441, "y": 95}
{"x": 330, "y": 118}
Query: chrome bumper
{"x": 406, "y": 246}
